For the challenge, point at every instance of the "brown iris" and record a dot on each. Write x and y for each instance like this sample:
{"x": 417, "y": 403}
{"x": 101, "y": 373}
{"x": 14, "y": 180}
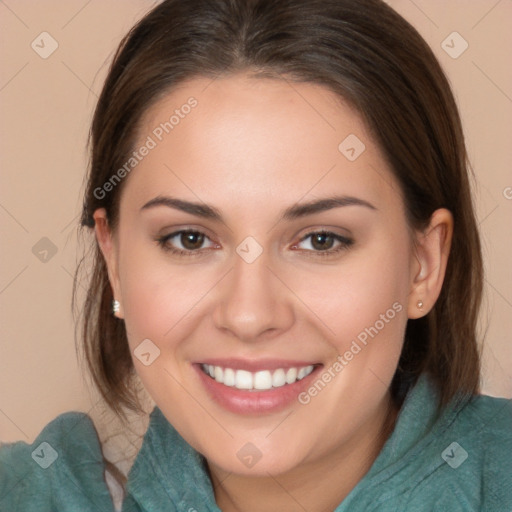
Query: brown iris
{"x": 192, "y": 240}
{"x": 321, "y": 238}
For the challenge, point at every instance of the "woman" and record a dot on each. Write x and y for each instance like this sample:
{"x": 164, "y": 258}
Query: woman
{"x": 287, "y": 257}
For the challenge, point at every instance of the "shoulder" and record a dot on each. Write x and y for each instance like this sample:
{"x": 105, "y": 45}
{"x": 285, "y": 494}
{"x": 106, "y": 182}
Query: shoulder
{"x": 60, "y": 470}
{"x": 485, "y": 424}
{"x": 472, "y": 444}
{"x": 456, "y": 458}
{"x": 491, "y": 416}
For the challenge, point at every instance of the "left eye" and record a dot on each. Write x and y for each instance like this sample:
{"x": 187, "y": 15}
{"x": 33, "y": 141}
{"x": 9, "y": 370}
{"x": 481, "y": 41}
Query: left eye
{"x": 323, "y": 241}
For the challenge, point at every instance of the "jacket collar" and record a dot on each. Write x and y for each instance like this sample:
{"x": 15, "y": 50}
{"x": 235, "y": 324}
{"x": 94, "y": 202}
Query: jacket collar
{"x": 168, "y": 474}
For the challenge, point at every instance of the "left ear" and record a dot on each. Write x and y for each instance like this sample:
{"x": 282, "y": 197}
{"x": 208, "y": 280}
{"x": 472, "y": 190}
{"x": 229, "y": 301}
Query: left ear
{"x": 431, "y": 251}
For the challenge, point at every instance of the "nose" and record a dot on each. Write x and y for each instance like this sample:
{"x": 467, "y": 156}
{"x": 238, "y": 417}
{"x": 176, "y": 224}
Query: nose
{"x": 254, "y": 303}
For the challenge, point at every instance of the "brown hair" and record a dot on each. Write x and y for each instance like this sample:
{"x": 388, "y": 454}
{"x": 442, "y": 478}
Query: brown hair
{"x": 369, "y": 56}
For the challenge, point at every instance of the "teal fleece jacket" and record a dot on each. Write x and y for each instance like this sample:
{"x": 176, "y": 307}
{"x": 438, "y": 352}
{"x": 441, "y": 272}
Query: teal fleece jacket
{"x": 459, "y": 461}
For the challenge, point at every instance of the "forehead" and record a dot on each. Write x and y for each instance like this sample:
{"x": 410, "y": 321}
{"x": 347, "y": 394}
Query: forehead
{"x": 263, "y": 139}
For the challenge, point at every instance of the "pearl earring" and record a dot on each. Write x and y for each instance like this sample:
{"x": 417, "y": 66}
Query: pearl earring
{"x": 116, "y": 305}
{"x": 419, "y": 304}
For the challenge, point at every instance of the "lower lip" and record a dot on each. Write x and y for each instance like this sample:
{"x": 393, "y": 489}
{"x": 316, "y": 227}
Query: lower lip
{"x": 254, "y": 401}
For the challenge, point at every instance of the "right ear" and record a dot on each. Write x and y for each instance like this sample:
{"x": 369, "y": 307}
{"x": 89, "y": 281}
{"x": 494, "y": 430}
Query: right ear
{"x": 108, "y": 248}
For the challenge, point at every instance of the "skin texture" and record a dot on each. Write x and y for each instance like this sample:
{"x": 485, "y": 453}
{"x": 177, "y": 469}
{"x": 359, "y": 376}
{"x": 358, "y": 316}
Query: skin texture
{"x": 251, "y": 148}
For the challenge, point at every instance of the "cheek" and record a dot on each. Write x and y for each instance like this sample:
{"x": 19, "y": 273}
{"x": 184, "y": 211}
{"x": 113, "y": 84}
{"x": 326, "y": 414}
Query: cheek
{"x": 159, "y": 305}
{"x": 157, "y": 300}
{"x": 152, "y": 293}
{"x": 162, "y": 301}
{"x": 362, "y": 299}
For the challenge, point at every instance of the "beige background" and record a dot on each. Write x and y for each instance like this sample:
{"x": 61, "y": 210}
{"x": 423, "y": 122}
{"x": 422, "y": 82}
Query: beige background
{"x": 46, "y": 107}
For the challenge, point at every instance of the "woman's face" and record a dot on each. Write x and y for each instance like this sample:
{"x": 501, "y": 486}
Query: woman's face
{"x": 258, "y": 292}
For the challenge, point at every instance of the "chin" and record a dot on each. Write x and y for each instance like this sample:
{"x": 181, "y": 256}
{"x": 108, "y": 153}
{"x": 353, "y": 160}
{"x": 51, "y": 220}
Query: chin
{"x": 249, "y": 460}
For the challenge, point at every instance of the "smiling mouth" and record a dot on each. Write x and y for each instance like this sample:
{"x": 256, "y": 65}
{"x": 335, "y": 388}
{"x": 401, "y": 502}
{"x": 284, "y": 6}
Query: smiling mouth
{"x": 256, "y": 381}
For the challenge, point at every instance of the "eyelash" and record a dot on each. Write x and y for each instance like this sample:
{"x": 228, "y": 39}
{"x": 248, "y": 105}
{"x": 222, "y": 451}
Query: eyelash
{"x": 345, "y": 243}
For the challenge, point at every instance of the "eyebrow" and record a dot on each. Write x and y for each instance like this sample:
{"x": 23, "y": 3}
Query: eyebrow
{"x": 293, "y": 212}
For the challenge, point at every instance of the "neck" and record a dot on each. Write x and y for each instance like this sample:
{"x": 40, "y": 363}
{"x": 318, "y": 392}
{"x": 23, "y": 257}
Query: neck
{"x": 315, "y": 486}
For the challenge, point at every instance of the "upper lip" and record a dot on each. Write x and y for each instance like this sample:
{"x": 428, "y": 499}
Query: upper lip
{"x": 256, "y": 365}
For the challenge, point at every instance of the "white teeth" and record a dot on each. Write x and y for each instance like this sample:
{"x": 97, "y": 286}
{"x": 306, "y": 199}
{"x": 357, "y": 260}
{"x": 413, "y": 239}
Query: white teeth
{"x": 218, "y": 374}
{"x": 243, "y": 379}
{"x": 305, "y": 372}
{"x": 278, "y": 378}
{"x": 229, "y": 377}
{"x": 261, "y": 380}
{"x": 291, "y": 375}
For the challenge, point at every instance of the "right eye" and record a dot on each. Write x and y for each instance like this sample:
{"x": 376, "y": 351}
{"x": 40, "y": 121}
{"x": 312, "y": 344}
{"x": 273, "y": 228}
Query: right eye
{"x": 186, "y": 242}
